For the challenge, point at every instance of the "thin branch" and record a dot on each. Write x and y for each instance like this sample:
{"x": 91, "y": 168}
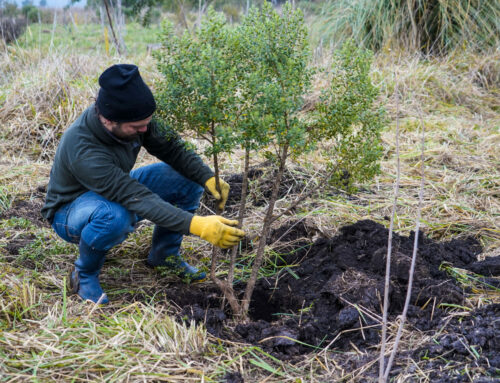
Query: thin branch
{"x": 415, "y": 248}
{"x": 117, "y": 44}
{"x": 381, "y": 378}
{"x": 215, "y": 250}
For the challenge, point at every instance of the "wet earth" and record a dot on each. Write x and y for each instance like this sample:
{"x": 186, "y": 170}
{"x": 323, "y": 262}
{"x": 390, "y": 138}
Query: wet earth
{"x": 329, "y": 293}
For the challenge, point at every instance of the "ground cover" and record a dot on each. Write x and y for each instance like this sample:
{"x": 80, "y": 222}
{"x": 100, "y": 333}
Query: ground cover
{"x": 317, "y": 309}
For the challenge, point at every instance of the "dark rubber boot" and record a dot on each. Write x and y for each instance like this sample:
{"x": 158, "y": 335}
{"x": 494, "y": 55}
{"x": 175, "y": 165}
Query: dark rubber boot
{"x": 84, "y": 278}
{"x": 165, "y": 252}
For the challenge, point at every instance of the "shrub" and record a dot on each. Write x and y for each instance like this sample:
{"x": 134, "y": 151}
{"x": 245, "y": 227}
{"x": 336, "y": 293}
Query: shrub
{"x": 30, "y": 12}
{"x": 12, "y": 28}
{"x": 245, "y": 87}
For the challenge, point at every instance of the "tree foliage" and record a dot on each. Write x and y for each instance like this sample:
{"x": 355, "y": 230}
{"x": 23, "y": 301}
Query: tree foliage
{"x": 199, "y": 90}
{"x": 245, "y": 87}
{"x": 347, "y": 116}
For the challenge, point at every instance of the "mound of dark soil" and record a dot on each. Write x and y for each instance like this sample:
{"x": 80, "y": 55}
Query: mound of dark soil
{"x": 336, "y": 291}
{"x": 333, "y": 294}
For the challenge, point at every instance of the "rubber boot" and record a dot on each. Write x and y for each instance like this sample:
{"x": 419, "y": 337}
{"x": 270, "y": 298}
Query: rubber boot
{"x": 84, "y": 278}
{"x": 165, "y": 252}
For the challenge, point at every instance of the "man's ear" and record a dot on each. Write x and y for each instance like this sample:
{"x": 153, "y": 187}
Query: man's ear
{"x": 107, "y": 123}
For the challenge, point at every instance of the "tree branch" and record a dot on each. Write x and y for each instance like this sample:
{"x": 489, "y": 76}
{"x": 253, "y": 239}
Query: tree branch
{"x": 381, "y": 378}
{"x": 414, "y": 255}
{"x": 241, "y": 215}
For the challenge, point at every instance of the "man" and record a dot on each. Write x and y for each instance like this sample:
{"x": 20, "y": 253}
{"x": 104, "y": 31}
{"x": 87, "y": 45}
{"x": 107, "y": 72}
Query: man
{"x": 94, "y": 198}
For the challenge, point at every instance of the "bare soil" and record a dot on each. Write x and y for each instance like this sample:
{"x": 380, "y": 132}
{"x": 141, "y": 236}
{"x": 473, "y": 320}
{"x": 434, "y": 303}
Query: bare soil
{"x": 331, "y": 296}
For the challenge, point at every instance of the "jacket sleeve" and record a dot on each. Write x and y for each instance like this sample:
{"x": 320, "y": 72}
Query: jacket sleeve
{"x": 95, "y": 170}
{"x": 166, "y": 145}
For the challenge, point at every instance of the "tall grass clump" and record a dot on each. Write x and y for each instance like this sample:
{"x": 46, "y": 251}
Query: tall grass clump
{"x": 42, "y": 94}
{"x": 430, "y": 26}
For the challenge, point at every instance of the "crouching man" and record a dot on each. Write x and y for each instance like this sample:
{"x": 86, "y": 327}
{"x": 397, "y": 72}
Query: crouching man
{"x": 94, "y": 198}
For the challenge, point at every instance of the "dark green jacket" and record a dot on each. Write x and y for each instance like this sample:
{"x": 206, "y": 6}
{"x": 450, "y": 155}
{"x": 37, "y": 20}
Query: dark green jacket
{"x": 90, "y": 158}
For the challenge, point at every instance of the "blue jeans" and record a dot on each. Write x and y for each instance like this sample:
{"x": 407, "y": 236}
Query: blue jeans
{"x": 102, "y": 224}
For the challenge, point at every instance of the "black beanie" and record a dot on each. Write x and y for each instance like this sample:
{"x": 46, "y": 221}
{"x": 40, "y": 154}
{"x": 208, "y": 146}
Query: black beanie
{"x": 124, "y": 96}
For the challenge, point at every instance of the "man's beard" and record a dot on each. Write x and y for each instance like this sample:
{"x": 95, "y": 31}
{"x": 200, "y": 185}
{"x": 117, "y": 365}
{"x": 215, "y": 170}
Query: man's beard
{"x": 117, "y": 132}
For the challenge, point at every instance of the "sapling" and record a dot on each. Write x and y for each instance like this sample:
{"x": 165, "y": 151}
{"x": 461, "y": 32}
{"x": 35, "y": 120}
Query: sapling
{"x": 201, "y": 93}
{"x": 411, "y": 272}
{"x": 246, "y": 86}
{"x": 389, "y": 243}
{"x": 346, "y": 115}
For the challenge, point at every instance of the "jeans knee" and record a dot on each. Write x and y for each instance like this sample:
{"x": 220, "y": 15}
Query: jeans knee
{"x": 120, "y": 219}
{"x": 198, "y": 191}
{"x": 109, "y": 226}
{"x": 193, "y": 197}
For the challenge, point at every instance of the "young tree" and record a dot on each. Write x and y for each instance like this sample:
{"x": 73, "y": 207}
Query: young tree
{"x": 201, "y": 94}
{"x": 245, "y": 86}
{"x": 199, "y": 91}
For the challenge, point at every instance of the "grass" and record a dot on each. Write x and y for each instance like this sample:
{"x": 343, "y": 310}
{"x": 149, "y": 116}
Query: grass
{"x": 427, "y": 26}
{"x": 47, "y": 335}
{"x": 88, "y": 38}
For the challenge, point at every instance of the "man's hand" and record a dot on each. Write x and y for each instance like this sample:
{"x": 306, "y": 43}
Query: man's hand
{"x": 224, "y": 193}
{"x": 217, "y": 230}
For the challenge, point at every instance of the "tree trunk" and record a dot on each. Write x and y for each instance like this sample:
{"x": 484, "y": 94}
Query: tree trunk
{"x": 241, "y": 215}
{"x": 259, "y": 257}
{"x": 224, "y": 286}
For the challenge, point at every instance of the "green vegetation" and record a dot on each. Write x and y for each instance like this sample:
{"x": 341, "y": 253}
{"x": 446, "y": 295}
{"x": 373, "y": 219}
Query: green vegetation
{"x": 429, "y": 26}
{"x": 244, "y": 88}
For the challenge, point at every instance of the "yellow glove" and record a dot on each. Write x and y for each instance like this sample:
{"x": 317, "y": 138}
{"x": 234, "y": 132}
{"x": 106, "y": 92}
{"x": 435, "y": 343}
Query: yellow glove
{"x": 224, "y": 193}
{"x": 217, "y": 230}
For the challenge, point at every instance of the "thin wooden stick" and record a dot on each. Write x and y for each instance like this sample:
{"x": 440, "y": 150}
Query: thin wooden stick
{"x": 389, "y": 243}
{"x": 117, "y": 44}
{"x": 414, "y": 255}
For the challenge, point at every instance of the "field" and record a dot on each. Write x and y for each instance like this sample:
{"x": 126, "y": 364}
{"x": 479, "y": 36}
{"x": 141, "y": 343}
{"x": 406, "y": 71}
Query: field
{"x": 316, "y": 314}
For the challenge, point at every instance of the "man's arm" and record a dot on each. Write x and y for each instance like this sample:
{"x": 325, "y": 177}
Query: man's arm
{"x": 95, "y": 170}
{"x": 167, "y": 146}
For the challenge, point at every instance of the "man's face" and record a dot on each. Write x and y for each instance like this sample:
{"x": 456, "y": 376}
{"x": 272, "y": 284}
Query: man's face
{"x": 127, "y": 131}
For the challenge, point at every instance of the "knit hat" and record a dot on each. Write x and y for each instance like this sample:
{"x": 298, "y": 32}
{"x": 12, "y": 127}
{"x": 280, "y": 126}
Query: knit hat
{"x": 124, "y": 96}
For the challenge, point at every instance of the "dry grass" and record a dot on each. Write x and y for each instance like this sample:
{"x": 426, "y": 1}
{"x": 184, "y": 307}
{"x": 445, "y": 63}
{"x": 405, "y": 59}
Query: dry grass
{"x": 44, "y": 92}
{"x": 46, "y": 336}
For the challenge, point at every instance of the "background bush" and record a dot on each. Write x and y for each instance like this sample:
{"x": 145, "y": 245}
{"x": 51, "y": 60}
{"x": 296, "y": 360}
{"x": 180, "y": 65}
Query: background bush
{"x": 11, "y": 28}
